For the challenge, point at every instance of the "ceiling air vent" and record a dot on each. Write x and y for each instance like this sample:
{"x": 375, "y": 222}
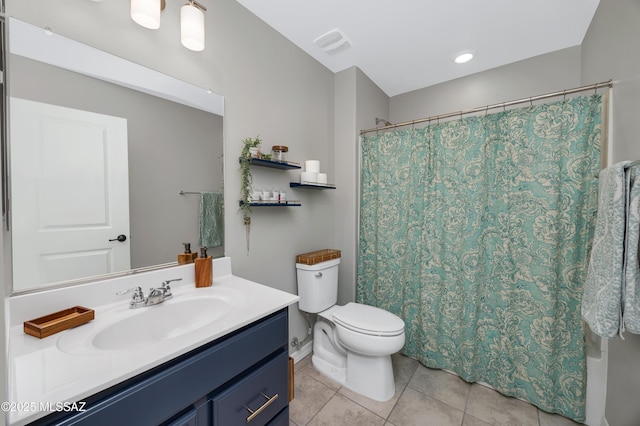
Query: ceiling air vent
{"x": 333, "y": 41}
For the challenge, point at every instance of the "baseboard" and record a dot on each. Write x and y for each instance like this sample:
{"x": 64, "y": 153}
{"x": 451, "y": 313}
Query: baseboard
{"x": 302, "y": 352}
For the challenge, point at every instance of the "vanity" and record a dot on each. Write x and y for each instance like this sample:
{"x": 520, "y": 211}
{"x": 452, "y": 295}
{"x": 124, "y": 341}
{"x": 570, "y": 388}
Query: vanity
{"x": 208, "y": 356}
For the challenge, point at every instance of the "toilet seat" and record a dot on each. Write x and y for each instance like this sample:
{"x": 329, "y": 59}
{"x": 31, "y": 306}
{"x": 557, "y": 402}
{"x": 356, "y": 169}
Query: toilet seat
{"x": 368, "y": 320}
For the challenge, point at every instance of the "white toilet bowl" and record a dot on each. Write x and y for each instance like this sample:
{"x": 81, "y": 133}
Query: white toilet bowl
{"x": 359, "y": 359}
{"x": 368, "y": 330}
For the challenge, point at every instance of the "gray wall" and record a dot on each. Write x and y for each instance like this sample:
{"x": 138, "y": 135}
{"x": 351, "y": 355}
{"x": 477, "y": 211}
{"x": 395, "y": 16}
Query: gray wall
{"x": 358, "y": 102}
{"x": 541, "y": 74}
{"x": 609, "y": 52}
{"x": 346, "y": 149}
{"x": 171, "y": 147}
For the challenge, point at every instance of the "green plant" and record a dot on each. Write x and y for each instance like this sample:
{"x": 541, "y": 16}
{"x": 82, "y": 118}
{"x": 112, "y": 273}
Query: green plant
{"x": 246, "y": 181}
{"x": 245, "y": 174}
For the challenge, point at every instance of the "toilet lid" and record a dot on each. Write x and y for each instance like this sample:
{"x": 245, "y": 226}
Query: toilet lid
{"x": 368, "y": 320}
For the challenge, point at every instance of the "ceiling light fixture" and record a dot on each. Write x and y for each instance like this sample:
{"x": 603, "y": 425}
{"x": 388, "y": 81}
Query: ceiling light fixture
{"x": 463, "y": 57}
{"x": 192, "y": 26}
{"x": 147, "y": 14}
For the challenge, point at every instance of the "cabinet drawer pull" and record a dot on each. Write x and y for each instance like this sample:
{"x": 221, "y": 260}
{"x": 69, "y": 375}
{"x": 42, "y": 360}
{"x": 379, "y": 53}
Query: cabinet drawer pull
{"x": 259, "y": 410}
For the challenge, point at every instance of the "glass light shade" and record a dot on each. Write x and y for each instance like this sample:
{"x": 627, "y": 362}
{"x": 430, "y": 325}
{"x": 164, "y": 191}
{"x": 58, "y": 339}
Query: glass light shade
{"x": 192, "y": 27}
{"x": 146, "y": 13}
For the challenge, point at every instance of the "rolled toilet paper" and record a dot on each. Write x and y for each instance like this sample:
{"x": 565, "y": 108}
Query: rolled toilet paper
{"x": 322, "y": 178}
{"x": 312, "y": 166}
{"x": 311, "y": 177}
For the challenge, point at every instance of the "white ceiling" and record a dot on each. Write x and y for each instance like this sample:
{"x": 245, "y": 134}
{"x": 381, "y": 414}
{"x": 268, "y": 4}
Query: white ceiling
{"x": 403, "y": 45}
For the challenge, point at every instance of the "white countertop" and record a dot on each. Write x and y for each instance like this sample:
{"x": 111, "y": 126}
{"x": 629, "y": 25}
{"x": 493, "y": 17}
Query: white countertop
{"x": 64, "y": 367}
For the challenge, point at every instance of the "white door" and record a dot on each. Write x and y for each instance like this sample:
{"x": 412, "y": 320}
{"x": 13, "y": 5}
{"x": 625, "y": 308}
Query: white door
{"x": 69, "y": 191}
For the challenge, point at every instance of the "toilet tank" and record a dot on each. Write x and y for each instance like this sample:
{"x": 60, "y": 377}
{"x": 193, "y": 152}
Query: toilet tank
{"x": 317, "y": 285}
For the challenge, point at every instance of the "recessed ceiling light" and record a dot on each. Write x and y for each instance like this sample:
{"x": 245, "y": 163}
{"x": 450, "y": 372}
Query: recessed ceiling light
{"x": 463, "y": 57}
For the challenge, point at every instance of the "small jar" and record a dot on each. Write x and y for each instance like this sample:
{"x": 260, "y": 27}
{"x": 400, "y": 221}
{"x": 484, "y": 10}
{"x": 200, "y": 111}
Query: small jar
{"x": 278, "y": 152}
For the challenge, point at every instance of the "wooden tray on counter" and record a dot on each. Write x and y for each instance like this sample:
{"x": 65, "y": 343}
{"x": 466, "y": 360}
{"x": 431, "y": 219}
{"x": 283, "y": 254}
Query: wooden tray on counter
{"x": 58, "y": 321}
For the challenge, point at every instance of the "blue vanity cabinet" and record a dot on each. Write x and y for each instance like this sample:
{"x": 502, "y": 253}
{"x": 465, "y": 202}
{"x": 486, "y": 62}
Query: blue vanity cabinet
{"x": 256, "y": 398}
{"x": 219, "y": 384}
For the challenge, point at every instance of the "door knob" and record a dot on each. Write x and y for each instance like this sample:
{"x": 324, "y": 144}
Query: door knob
{"x": 122, "y": 238}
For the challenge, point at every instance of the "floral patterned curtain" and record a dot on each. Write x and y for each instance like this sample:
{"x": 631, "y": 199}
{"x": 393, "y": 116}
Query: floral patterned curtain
{"x": 476, "y": 233}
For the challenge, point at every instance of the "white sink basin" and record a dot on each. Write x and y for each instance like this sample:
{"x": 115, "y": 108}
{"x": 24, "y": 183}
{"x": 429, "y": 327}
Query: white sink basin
{"x": 161, "y": 322}
{"x": 124, "y": 329}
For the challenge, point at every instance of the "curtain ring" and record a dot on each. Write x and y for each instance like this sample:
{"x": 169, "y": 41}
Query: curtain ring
{"x": 486, "y": 111}
{"x": 564, "y": 95}
{"x": 531, "y": 101}
{"x": 504, "y": 107}
{"x": 460, "y": 115}
{"x": 595, "y": 89}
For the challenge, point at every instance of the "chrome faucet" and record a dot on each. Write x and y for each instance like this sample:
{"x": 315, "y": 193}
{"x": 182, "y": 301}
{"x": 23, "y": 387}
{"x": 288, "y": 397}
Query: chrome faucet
{"x": 156, "y": 295}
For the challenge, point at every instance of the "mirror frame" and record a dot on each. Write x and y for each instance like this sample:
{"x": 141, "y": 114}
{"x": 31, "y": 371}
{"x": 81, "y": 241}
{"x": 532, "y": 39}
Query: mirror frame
{"x": 45, "y": 46}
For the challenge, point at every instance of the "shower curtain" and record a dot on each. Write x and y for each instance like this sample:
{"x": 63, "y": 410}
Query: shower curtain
{"x": 476, "y": 232}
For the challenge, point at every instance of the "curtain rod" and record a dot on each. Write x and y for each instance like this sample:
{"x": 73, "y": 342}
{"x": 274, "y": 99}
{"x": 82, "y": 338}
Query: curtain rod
{"x": 530, "y": 99}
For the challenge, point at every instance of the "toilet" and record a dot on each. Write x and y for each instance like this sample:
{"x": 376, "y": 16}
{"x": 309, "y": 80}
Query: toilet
{"x": 352, "y": 344}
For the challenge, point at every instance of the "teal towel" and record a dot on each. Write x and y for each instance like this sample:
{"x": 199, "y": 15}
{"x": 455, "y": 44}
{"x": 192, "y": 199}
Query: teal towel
{"x": 211, "y": 219}
{"x": 631, "y": 305}
{"x": 602, "y": 298}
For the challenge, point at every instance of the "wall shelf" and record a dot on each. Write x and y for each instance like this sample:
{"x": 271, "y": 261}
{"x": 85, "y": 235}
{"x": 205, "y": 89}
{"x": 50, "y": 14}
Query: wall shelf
{"x": 289, "y": 203}
{"x": 283, "y": 165}
{"x": 312, "y": 185}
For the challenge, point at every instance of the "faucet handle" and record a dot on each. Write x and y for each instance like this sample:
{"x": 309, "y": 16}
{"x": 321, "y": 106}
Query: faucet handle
{"x": 166, "y": 283}
{"x": 138, "y": 296}
{"x": 167, "y": 289}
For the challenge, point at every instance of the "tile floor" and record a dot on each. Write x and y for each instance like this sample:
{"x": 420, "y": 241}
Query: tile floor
{"x": 424, "y": 397}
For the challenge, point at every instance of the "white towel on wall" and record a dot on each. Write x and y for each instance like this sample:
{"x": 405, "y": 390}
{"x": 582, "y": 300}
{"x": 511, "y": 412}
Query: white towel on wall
{"x": 631, "y": 295}
{"x": 602, "y": 298}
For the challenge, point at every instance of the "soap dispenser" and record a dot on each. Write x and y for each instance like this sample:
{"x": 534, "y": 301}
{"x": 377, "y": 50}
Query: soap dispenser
{"x": 187, "y": 256}
{"x": 204, "y": 269}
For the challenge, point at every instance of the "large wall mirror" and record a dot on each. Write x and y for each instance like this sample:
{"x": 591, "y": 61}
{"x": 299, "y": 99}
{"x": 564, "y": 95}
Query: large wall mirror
{"x": 92, "y": 139}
